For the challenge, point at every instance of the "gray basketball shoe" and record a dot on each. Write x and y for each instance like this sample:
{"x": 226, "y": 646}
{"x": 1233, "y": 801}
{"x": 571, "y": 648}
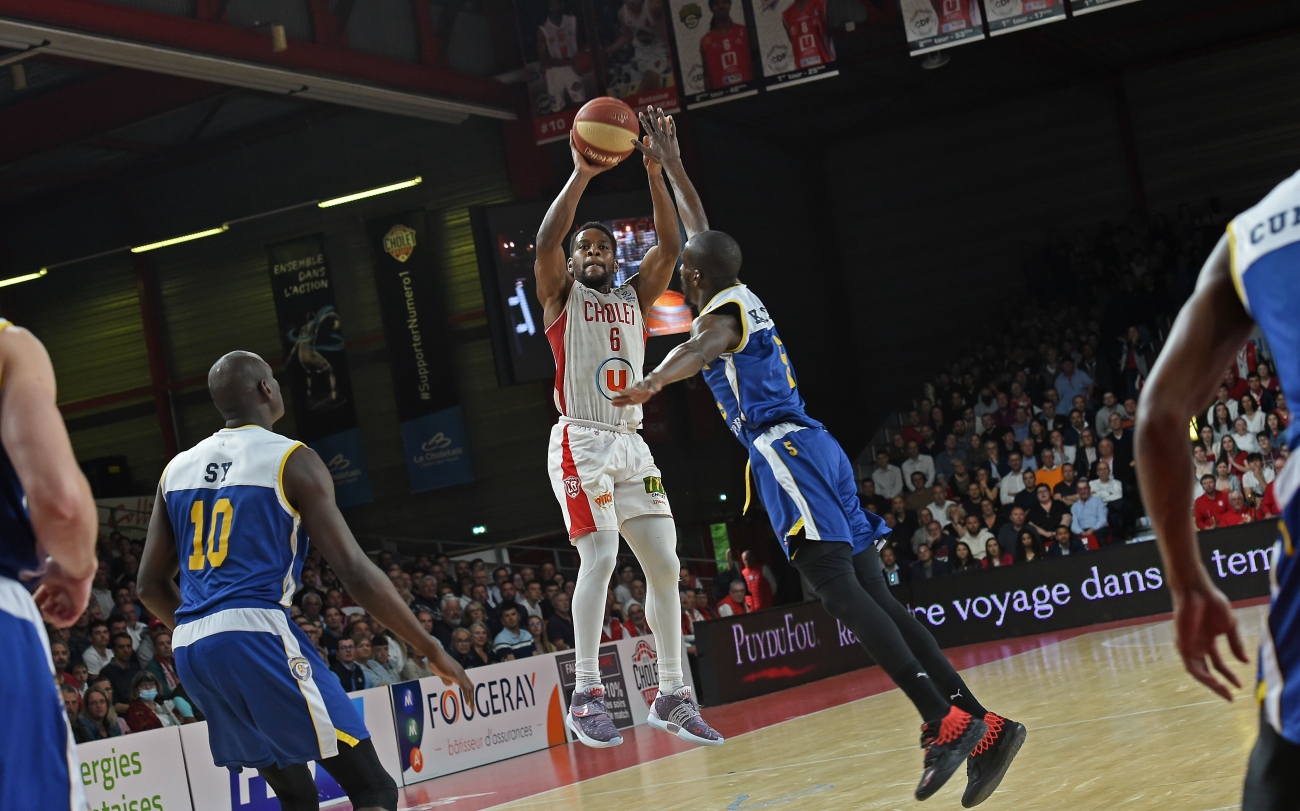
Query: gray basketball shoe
{"x": 590, "y": 721}
{"x": 677, "y": 713}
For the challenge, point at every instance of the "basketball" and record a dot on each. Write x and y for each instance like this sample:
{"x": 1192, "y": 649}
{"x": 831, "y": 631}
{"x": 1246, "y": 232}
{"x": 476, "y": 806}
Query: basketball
{"x": 604, "y": 130}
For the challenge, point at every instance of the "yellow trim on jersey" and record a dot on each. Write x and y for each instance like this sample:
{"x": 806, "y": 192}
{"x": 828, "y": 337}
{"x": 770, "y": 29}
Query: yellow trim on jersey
{"x": 346, "y": 738}
{"x": 745, "y": 509}
{"x": 279, "y": 480}
{"x": 744, "y": 325}
{"x": 1287, "y": 546}
{"x": 794, "y": 530}
{"x": 241, "y": 427}
{"x": 1233, "y": 269}
{"x": 1260, "y": 692}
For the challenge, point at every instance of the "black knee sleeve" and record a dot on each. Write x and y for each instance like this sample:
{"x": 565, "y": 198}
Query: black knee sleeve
{"x": 293, "y": 787}
{"x": 359, "y": 772}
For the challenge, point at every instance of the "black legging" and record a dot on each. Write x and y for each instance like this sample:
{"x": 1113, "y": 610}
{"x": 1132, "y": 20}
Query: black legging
{"x": 356, "y": 769}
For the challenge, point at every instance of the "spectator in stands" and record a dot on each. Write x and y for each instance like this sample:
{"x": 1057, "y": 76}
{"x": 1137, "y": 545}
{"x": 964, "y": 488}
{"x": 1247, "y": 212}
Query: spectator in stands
{"x": 1088, "y": 515}
{"x": 462, "y": 649}
{"x": 939, "y": 504}
{"x": 163, "y": 666}
{"x": 62, "y": 655}
{"x": 922, "y": 534}
{"x": 1048, "y": 473}
{"x": 736, "y": 602}
{"x": 1243, "y": 439}
{"x": 949, "y": 453}
{"x": 559, "y": 629}
{"x": 1047, "y": 514}
{"x": 886, "y": 477}
{"x": 98, "y": 720}
{"x": 994, "y": 556}
{"x": 1256, "y": 479}
{"x": 417, "y": 665}
{"x": 97, "y": 655}
{"x": 926, "y": 566}
{"x": 1201, "y": 464}
{"x": 334, "y": 630}
{"x": 916, "y": 462}
{"x": 1071, "y": 382}
{"x": 533, "y": 604}
{"x": 636, "y": 621}
{"x": 897, "y": 449}
{"x": 351, "y": 675}
{"x": 759, "y": 581}
{"x": 1224, "y": 479}
{"x": 1029, "y": 547}
{"x": 449, "y": 621}
{"x": 1268, "y": 506}
{"x": 890, "y": 569}
{"x": 1013, "y": 481}
{"x": 1250, "y": 413}
{"x": 1238, "y": 512}
{"x": 513, "y": 642}
{"x": 475, "y": 612}
{"x": 1111, "y": 492}
{"x": 974, "y": 534}
{"x": 962, "y": 559}
{"x": 121, "y": 669}
{"x": 1109, "y": 405}
{"x": 1067, "y": 492}
{"x": 1009, "y": 533}
{"x": 100, "y": 591}
{"x": 1121, "y": 437}
{"x": 1028, "y": 454}
{"x": 1221, "y": 421}
{"x": 613, "y": 627}
{"x": 1210, "y": 504}
{"x": 379, "y": 669}
{"x": 1065, "y": 544}
{"x": 919, "y": 495}
{"x": 146, "y": 711}
{"x": 1027, "y": 498}
{"x": 1275, "y": 429}
{"x": 870, "y": 499}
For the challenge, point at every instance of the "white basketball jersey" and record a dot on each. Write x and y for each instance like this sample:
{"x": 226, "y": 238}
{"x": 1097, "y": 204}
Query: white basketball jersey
{"x": 562, "y": 39}
{"x": 599, "y": 346}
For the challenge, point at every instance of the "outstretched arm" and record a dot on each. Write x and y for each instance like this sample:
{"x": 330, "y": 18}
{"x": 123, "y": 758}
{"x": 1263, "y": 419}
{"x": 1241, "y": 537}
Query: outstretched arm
{"x": 667, "y": 151}
{"x": 551, "y": 265}
{"x": 711, "y": 335}
{"x": 308, "y": 486}
{"x": 59, "y": 504}
{"x": 1206, "y": 336}
{"x": 660, "y": 261}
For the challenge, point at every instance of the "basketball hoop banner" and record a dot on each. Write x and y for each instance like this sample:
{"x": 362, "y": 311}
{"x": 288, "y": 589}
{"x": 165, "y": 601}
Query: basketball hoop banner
{"x": 419, "y": 352}
{"x": 1088, "y": 6}
{"x": 1005, "y": 16}
{"x": 935, "y": 24}
{"x": 794, "y": 41}
{"x": 558, "y": 64}
{"x": 316, "y": 365}
{"x": 635, "y": 54}
{"x": 714, "y": 51}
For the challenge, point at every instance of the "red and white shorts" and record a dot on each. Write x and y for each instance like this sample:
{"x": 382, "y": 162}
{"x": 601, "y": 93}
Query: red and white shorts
{"x": 603, "y": 477}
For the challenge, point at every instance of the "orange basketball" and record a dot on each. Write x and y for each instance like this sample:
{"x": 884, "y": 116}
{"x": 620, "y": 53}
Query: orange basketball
{"x": 604, "y": 130}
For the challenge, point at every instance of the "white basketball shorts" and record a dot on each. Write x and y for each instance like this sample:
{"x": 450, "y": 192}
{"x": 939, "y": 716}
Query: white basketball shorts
{"x": 563, "y": 80}
{"x": 603, "y": 478}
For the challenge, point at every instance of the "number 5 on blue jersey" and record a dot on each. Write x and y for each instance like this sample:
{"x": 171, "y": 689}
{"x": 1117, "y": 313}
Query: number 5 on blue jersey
{"x": 223, "y": 515}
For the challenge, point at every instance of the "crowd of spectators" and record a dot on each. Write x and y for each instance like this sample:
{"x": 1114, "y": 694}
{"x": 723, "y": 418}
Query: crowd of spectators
{"x": 1023, "y": 449}
{"x": 117, "y": 673}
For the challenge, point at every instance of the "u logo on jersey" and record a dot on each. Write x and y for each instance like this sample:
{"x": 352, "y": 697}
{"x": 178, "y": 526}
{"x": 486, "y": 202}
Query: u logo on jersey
{"x": 614, "y": 375}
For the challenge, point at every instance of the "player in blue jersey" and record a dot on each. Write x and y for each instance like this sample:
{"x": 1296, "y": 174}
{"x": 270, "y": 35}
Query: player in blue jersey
{"x": 807, "y": 486}
{"x": 48, "y": 526}
{"x": 233, "y": 516}
{"x": 1252, "y": 278}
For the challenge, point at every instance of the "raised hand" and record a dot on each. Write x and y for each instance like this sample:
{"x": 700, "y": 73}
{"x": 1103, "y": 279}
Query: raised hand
{"x": 583, "y": 166}
{"x": 660, "y": 143}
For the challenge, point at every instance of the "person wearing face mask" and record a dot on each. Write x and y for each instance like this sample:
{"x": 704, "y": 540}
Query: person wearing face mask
{"x": 145, "y": 710}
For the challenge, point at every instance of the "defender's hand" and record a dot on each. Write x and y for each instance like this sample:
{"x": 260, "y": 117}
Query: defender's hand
{"x": 660, "y": 144}
{"x": 581, "y": 165}
{"x": 1201, "y": 615}
{"x": 636, "y": 394}
{"x": 61, "y": 597}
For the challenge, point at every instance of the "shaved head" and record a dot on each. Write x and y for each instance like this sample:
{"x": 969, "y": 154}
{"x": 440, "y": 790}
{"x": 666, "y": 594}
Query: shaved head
{"x": 235, "y": 383}
{"x": 715, "y": 255}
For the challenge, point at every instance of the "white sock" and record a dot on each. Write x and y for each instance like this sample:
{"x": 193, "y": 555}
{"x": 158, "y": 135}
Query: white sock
{"x": 654, "y": 540}
{"x": 598, "y": 551}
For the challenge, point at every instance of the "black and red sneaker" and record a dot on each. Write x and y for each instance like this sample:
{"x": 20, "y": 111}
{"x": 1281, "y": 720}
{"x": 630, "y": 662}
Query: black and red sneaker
{"x": 991, "y": 758}
{"x": 947, "y": 743}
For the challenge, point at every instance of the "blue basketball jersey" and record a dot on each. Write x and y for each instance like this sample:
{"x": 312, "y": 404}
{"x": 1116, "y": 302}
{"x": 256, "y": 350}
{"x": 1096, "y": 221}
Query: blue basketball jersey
{"x": 754, "y": 383}
{"x": 18, "y": 555}
{"x": 239, "y": 541}
{"x": 1264, "y": 244}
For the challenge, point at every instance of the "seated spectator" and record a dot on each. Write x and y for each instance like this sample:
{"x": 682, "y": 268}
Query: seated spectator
{"x": 1065, "y": 544}
{"x": 512, "y": 642}
{"x": 988, "y": 489}
{"x": 636, "y": 621}
{"x": 1029, "y": 547}
{"x": 939, "y": 504}
{"x": 559, "y": 629}
{"x": 887, "y": 479}
{"x": 146, "y": 711}
{"x": 1256, "y": 479}
{"x": 72, "y": 709}
{"x": 1210, "y": 504}
{"x": 1048, "y": 473}
{"x": 702, "y": 604}
{"x": 1067, "y": 492}
{"x": 533, "y": 603}
{"x": 916, "y": 462}
{"x": 736, "y": 602}
{"x": 372, "y": 655}
{"x": 97, "y": 655}
{"x": 994, "y": 556}
{"x": 989, "y": 518}
{"x": 1029, "y": 454}
{"x": 921, "y": 534}
{"x": 970, "y": 500}
{"x": 61, "y": 655}
{"x": 1238, "y": 512}
{"x": 962, "y": 559}
{"x": 759, "y": 581}
{"x": 417, "y": 665}
{"x": 1201, "y": 463}
{"x": 637, "y": 589}
{"x": 1087, "y": 454}
{"x": 350, "y": 674}
{"x": 163, "y": 667}
{"x": 1027, "y": 498}
{"x": 1111, "y": 492}
{"x": 1088, "y": 515}
{"x": 973, "y": 533}
{"x": 1268, "y": 506}
{"x": 1009, "y": 534}
{"x": 98, "y": 720}
{"x": 1229, "y": 452}
{"x": 138, "y": 631}
{"x": 870, "y": 499}
{"x": 121, "y": 670}
{"x": 926, "y": 566}
{"x": 905, "y": 522}
{"x": 1244, "y": 437}
{"x": 919, "y": 496}
{"x": 452, "y": 613}
{"x": 614, "y": 628}
{"x": 1014, "y": 479}
{"x": 462, "y": 649}
{"x": 890, "y": 569}
{"x": 1047, "y": 515}
{"x": 1225, "y": 481}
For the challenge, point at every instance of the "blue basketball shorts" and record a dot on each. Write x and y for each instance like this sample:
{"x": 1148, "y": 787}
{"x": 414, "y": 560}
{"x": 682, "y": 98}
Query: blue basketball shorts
{"x": 268, "y": 696}
{"x": 807, "y": 484}
{"x": 38, "y": 760}
{"x": 1279, "y": 654}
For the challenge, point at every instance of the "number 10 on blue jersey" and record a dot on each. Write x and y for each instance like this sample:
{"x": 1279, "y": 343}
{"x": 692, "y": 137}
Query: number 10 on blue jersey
{"x": 223, "y": 514}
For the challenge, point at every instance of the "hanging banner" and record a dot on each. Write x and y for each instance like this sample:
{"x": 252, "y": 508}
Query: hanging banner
{"x": 935, "y": 24}
{"x": 316, "y": 365}
{"x": 794, "y": 41}
{"x": 558, "y": 64}
{"x": 637, "y": 58}
{"x": 713, "y": 50}
{"x": 419, "y": 352}
{"x": 1087, "y": 6}
{"x": 1006, "y": 16}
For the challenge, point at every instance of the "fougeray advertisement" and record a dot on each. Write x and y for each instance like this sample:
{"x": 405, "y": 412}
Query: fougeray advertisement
{"x": 316, "y": 364}
{"x": 759, "y": 653}
{"x": 420, "y": 353}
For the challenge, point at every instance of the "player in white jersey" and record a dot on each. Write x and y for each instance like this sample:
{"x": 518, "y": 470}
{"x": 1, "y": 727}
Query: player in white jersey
{"x": 646, "y": 30}
{"x": 604, "y": 476}
{"x": 557, "y": 46}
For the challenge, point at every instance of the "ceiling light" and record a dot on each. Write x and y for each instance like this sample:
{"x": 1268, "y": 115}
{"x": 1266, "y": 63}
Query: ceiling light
{"x": 153, "y": 246}
{"x": 25, "y": 278}
{"x": 361, "y": 195}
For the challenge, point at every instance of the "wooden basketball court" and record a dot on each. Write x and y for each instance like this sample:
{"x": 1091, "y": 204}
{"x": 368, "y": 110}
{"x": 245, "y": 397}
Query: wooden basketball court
{"x": 1114, "y": 723}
